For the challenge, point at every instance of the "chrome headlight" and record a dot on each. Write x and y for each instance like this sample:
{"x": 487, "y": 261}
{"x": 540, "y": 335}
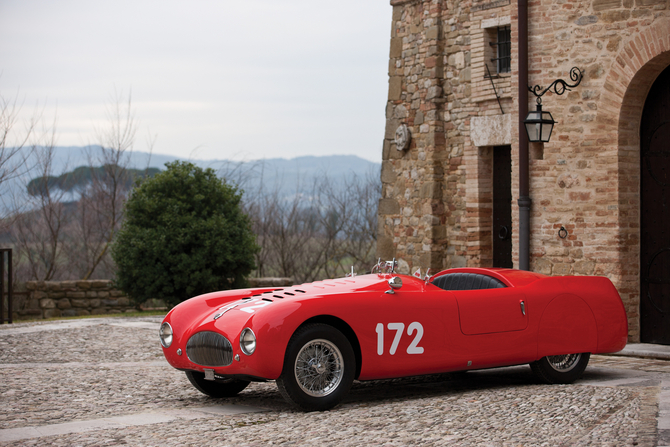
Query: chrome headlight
{"x": 248, "y": 341}
{"x": 165, "y": 334}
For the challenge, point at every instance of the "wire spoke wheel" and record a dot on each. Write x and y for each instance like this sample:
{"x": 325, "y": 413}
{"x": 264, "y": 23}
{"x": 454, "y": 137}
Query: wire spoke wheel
{"x": 565, "y": 368}
{"x": 564, "y": 363}
{"x": 319, "y": 368}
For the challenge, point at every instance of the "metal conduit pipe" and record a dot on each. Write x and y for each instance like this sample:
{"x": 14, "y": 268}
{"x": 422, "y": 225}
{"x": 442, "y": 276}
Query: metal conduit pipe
{"x": 524, "y": 190}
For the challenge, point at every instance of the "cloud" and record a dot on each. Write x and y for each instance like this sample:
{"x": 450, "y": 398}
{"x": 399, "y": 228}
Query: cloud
{"x": 301, "y": 77}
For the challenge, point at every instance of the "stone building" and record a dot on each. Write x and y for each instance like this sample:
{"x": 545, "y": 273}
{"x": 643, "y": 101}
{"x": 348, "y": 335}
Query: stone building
{"x": 450, "y": 197}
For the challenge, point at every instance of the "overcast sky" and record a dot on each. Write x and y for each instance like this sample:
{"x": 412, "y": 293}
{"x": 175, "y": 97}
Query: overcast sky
{"x": 222, "y": 79}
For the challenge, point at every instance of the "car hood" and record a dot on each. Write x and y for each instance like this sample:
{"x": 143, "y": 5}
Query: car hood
{"x": 238, "y": 306}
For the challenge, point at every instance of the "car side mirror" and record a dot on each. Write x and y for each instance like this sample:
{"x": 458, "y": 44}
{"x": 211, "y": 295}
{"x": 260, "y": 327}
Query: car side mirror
{"x": 394, "y": 283}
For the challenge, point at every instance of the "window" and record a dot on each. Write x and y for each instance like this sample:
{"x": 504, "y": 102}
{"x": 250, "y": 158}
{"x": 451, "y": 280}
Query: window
{"x": 503, "y": 46}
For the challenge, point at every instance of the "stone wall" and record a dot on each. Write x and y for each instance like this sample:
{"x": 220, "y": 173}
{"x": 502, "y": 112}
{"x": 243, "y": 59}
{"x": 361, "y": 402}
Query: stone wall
{"x": 49, "y": 299}
{"x": 436, "y": 201}
{"x": 75, "y": 298}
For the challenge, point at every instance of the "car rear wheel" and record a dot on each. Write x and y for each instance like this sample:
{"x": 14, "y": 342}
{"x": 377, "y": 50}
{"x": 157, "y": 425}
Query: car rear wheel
{"x": 319, "y": 368}
{"x": 216, "y": 388}
{"x": 561, "y": 368}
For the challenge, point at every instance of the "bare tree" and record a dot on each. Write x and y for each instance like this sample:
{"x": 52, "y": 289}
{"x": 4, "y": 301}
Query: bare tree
{"x": 316, "y": 233}
{"x": 40, "y": 219}
{"x": 100, "y": 208}
{"x": 15, "y": 152}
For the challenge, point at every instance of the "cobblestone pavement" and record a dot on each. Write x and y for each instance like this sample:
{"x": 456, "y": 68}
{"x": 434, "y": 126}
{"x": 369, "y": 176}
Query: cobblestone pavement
{"x": 99, "y": 382}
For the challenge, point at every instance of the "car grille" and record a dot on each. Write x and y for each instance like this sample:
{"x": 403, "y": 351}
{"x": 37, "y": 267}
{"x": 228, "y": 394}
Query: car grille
{"x": 209, "y": 349}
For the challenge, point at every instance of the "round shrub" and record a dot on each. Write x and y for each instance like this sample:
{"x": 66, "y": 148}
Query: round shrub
{"x": 184, "y": 234}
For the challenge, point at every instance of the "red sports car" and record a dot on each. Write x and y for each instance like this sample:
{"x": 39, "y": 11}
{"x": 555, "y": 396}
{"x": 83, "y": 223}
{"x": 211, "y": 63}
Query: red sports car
{"x": 315, "y": 339}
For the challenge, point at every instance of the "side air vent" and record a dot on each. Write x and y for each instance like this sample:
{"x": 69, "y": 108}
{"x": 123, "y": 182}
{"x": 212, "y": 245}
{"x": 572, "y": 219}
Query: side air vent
{"x": 209, "y": 349}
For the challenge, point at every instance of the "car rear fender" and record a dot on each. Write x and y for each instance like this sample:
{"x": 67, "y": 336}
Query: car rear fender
{"x": 586, "y": 315}
{"x": 567, "y": 326}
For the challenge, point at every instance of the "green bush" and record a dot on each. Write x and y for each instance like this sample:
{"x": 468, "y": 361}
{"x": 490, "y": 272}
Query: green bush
{"x": 184, "y": 234}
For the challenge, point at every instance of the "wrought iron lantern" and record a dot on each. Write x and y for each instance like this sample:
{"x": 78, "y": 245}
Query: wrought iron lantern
{"x": 539, "y": 123}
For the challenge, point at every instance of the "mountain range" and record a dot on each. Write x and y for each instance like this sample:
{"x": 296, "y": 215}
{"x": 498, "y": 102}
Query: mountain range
{"x": 288, "y": 176}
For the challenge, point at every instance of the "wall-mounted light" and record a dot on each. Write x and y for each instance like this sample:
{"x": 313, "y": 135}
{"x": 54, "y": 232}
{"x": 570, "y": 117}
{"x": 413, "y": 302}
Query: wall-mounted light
{"x": 539, "y": 123}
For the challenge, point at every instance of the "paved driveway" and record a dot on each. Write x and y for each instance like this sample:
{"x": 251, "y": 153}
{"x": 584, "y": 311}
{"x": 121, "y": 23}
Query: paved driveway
{"x": 104, "y": 382}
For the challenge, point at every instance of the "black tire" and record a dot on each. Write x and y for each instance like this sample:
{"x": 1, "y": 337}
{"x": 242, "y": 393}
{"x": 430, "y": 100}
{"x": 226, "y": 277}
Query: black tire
{"x": 561, "y": 368}
{"x": 216, "y": 388}
{"x": 319, "y": 368}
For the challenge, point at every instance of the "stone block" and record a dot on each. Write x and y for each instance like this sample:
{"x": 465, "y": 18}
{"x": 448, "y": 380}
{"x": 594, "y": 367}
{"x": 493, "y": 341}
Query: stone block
{"x": 431, "y": 190}
{"x": 388, "y": 174}
{"x": 33, "y": 304}
{"x": 385, "y": 247}
{"x": 92, "y": 294}
{"x": 75, "y": 294}
{"x": 388, "y": 206}
{"x": 70, "y": 313}
{"x": 542, "y": 266}
{"x": 56, "y": 295}
{"x": 495, "y": 130}
{"x": 47, "y": 303}
{"x": 391, "y": 126}
{"x": 67, "y": 285}
{"x": 102, "y": 294}
{"x": 615, "y": 16}
{"x": 396, "y": 47}
{"x": 115, "y": 293}
{"x": 84, "y": 285}
{"x": 38, "y": 294}
{"x": 94, "y": 303}
{"x": 584, "y": 267}
{"x": 586, "y": 20}
{"x": 434, "y": 92}
{"x": 604, "y": 5}
{"x": 100, "y": 311}
{"x": 110, "y": 302}
{"x": 403, "y": 267}
{"x": 562, "y": 269}
{"x": 52, "y": 285}
{"x": 439, "y": 232}
{"x": 64, "y": 303}
{"x": 418, "y": 118}
{"x": 123, "y": 302}
{"x": 52, "y": 313}
{"x": 79, "y": 302}
{"x": 101, "y": 283}
{"x": 650, "y": 2}
{"x": 395, "y": 88}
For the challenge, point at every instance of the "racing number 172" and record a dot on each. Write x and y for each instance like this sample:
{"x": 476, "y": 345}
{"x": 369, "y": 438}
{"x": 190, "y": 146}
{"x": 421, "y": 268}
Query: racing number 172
{"x": 399, "y": 328}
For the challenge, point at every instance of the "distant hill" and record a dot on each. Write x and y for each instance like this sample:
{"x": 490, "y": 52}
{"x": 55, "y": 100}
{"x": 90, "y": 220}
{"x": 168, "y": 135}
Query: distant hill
{"x": 289, "y": 176}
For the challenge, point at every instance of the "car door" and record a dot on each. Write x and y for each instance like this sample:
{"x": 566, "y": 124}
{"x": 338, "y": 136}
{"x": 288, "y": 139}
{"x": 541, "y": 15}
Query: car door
{"x": 493, "y": 327}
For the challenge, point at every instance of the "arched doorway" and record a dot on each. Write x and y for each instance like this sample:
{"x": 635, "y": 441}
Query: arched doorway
{"x": 655, "y": 213}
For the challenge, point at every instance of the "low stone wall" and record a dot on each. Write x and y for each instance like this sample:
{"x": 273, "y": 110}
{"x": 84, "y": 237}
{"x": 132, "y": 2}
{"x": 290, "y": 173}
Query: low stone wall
{"x": 49, "y": 299}
{"x": 76, "y": 298}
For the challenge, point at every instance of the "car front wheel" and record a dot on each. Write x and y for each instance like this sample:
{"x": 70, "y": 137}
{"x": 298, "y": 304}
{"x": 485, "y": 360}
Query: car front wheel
{"x": 216, "y": 388}
{"x": 561, "y": 368}
{"x": 319, "y": 368}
